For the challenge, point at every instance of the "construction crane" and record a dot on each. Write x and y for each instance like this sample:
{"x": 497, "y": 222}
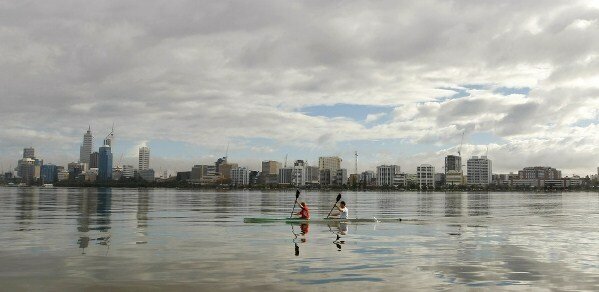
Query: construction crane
{"x": 461, "y": 142}
{"x": 356, "y": 162}
{"x": 285, "y": 165}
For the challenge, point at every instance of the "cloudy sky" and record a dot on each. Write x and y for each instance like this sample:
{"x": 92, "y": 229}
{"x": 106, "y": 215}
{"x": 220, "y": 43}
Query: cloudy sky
{"x": 397, "y": 81}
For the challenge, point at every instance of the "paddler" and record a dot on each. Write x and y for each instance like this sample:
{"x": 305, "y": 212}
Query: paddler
{"x": 304, "y": 212}
{"x": 342, "y": 211}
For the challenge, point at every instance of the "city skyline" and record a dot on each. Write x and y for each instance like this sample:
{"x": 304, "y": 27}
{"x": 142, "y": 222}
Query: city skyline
{"x": 398, "y": 82}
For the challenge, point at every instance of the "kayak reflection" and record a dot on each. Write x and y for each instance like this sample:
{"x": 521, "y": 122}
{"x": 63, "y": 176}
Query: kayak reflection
{"x": 341, "y": 229}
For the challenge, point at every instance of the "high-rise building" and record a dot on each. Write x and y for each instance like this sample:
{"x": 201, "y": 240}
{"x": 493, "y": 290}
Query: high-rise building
{"x": 299, "y": 173}
{"x": 105, "y": 163}
{"x": 128, "y": 171}
{"x": 147, "y": 175}
{"x": 225, "y": 170}
{"x": 285, "y": 175}
{"x": 49, "y": 173}
{"x": 453, "y": 163}
{"x": 86, "y": 148}
{"x": 144, "y": 158}
{"x": 270, "y": 167}
{"x": 425, "y": 174}
{"x": 385, "y": 174}
{"x": 93, "y": 160}
{"x": 480, "y": 170}
{"x": 340, "y": 178}
{"x": 26, "y": 170}
{"x": 367, "y": 177}
{"x": 29, "y": 153}
{"x": 199, "y": 172}
{"x": 240, "y": 176}
{"x": 312, "y": 175}
{"x": 220, "y": 162}
{"x": 332, "y": 162}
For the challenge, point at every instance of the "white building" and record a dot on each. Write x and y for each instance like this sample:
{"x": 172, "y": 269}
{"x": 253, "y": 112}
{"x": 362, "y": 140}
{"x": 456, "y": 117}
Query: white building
{"x": 285, "y": 175}
{"x": 479, "y": 171}
{"x": 385, "y": 174}
{"x": 340, "y": 177}
{"x": 333, "y": 163}
{"x": 298, "y": 176}
{"x": 425, "y": 174}
{"x": 144, "y": 158}
{"x": 240, "y": 176}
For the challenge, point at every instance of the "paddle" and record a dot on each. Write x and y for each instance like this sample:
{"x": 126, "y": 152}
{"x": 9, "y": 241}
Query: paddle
{"x": 338, "y": 198}
{"x": 297, "y": 193}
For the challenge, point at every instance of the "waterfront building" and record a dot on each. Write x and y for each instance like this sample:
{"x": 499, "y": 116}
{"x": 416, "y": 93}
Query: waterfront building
{"x": 439, "y": 179}
{"x": 400, "y": 180}
{"x": 183, "y": 175}
{"x": 479, "y": 171}
{"x": 49, "y": 173}
{"x": 299, "y": 173}
{"x": 426, "y": 176}
{"x": 218, "y": 164}
{"x": 340, "y": 178}
{"x": 85, "y": 150}
{"x": 225, "y": 171}
{"x": 539, "y": 172}
{"x": 128, "y": 171}
{"x": 144, "y": 158}
{"x": 91, "y": 175}
{"x": 285, "y": 175}
{"x": 368, "y": 178}
{"x": 385, "y": 174}
{"x": 326, "y": 177}
{"x": 105, "y": 163}
{"x": 147, "y": 175}
{"x": 198, "y": 173}
{"x": 332, "y": 162}
{"x": 453, "y": 163}
{"x": 26, "y": 170}
{"x": 312, "y": 175}
{"x": 240, "y": 176}
{"x": 254, "y": 177}
{"x": 62, "y": 175}
{"x": 270, "y": 167}
{"x": 454, "y": 178}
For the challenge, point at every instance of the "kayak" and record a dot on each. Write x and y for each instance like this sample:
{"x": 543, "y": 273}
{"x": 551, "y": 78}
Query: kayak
{"x": 319, "y": 220}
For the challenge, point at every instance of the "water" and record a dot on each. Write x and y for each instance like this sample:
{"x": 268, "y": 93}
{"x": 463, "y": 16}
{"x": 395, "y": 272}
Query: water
{"x": 73, "y": 239}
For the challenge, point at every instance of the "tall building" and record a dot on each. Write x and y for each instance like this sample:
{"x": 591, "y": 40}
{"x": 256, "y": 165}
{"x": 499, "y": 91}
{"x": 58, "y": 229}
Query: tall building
{"x": 218, "y": 164}
{"x": 333, "y": 163}
{"x": 453, "y": 163}
{"x": 299, "y": 173}
{"x": 480, "y": 171}
{"x": 86, "y": 148}
{"x": 285, "y": 175}
{"x": 270, "y": 167}
{"x": 144, "y": 158}
{"x": 340, "y": 178}
{"x": 26, "y": 170}
{"x": 385, "y": 174}
{"x": 49, "y": 173}
{"x": 93, "y": 160}
{"x": 425, "y": 174}
{"x": 240, "y": 176}
{"x": 29, "y": 153}
{"x": 128, "y": 171}
{"x": 312, "y": 175}
{"x": 367, "y": 177}
{"x": 225, "y": 170}
{"x": 105, "y": 163}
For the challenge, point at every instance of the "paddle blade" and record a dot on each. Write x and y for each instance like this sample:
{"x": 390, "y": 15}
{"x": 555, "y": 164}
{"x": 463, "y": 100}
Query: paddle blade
{"x": 297, "y": 193}
{"x": 338, "y": 197}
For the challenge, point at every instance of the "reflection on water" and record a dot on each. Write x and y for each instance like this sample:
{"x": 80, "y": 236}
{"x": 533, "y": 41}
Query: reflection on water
{"x": 77, "y": 239}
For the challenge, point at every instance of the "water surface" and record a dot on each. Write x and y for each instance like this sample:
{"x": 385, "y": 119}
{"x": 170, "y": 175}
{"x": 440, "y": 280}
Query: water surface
{"x": 158, "y": 239}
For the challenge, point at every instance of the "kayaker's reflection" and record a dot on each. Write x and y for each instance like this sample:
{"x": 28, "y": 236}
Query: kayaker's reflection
{"x": 342, "y": 229}
{"x": 304, "y": 229}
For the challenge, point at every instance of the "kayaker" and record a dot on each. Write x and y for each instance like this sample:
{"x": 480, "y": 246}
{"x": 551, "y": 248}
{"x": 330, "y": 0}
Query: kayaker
{"x": 342, "y": 211}
{"x": 304, "y": 213}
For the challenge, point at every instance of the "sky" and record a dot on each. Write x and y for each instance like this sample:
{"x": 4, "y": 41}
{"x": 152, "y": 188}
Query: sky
{"x": 396, "y": 81}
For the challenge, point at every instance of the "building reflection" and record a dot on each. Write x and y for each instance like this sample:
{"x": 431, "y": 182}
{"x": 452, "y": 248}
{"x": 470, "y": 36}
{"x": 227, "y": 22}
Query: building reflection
{"x": 425, "y": 204}
{"x": 544, "y": 204}
{"x": 478, "y": 204}
{"x": 143, "y": 203}
{"x": 453, "y": 204}
{"x": 27, "y": 201}
{"x": 94, "y": 208}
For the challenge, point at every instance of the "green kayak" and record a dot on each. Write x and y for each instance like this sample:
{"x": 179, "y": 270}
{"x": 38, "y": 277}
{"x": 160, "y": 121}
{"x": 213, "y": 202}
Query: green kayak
{"x": 319, "y": 220}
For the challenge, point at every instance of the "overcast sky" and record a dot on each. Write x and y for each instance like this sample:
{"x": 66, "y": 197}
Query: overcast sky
{"x": 397, "y": 81}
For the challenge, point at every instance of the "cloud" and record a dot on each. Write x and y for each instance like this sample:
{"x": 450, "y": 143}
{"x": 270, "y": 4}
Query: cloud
{"x": 204, "y": 73}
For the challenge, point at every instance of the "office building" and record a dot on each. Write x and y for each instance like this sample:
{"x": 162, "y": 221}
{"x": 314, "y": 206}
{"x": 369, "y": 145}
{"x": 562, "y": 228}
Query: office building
{"x": 425, "y": 175}
{"x": 240, "y": 176}
{"x": 270, "y": 167}
{"x": 128, "y": 171}
{"x": 29, "y": 153}
{"x": 453, "y": 163}
{"x": 340, "y": 178}
{"x": 539, "y": 172}
{"x": 385, "y": 174}
{"x": 298, "y": 176}
{"x": 85, "y": 150}
{"x": 198, "y": 172}
{"x": 144, "y": 158}
{"x": 333, "y": 163}
{"x": 479, "y": 171}
{"x": 93, "y": 160}
{"x": 225, "y": 171}
{"x": 326, "y": 177}
{"x": 454, "y": 178}
{"x": 286, "y": 175}
{"x": 105, "y": 164}
{"x": 368, "y": 178}
{"x": 49, "y": 173}
{"x": 147, "y": 175}
{"x": 312, "y": 175}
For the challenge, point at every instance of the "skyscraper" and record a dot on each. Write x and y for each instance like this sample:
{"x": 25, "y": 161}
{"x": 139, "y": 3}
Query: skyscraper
{"x": 453, "y": 163}
{"x": 426, "y": 176}
{"x": 105, "y": 163}
{"x": 333, "y": 163}
{"x": 144, "y": 158}
{"x": 86, "y": 148}
{"x": 29, "y": 153}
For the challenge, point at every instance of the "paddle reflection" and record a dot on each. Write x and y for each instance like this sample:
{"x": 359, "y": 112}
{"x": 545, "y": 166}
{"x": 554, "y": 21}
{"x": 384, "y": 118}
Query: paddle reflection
{"x": 341, "y": 228}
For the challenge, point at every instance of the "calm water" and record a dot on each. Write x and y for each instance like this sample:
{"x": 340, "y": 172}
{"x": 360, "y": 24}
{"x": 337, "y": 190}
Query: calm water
{"x": 73, "y": 239}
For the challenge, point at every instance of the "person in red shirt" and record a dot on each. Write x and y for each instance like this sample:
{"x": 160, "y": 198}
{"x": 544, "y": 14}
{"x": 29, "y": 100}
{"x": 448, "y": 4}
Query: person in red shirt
{"x": 304, "y": 213}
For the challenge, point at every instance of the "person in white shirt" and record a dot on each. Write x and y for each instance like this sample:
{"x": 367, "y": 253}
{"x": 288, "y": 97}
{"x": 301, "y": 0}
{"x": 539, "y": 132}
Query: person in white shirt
{"x": 342, "y": 211}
